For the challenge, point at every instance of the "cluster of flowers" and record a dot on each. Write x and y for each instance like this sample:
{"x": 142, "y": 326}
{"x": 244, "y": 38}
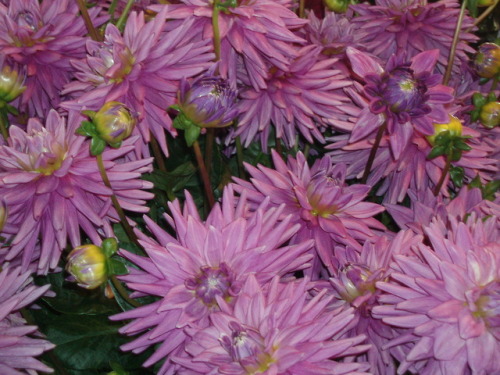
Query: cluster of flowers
{"x": 292, "y": 271}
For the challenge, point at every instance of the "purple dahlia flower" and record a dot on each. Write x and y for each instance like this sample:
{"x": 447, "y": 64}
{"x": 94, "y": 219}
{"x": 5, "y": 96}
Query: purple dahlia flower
{"x": 42, "y": 37}
{"x": 255, "y": 35}
{"x": 52, "y": 188}
{"x": 353, "y": 286}
{"x": 18, "y": 343}
{"x": 205, "y": 264}
{"x": 327, "y": 209}
{"x": 142, "y": 69}
{"x": 407, "y": 96}
{"x": 447, "y": 299}
{"x": 304, "y": 99}
{"x": 413, "y": 26}
{"x": 277, "y": 329}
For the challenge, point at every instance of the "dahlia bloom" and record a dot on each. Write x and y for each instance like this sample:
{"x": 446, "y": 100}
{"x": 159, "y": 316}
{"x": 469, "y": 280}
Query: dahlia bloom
{"x": 274, "y": 330}
{"x": 42, "y": 37}
{"x": 52, "y": 188}
{"x": 300, "y": 100}
{"x": 205, "y": 265}
{"x": 255, "y": 35}
{"x": 18, "y": 347}
{"x": 407, "y": 96}
{"x": 141, "y": 69}
{"x": 353, "y": 286}
{"x": 447, "y": 300}
{"x": 413, "y": 26}
{"x": 327, "y": 209}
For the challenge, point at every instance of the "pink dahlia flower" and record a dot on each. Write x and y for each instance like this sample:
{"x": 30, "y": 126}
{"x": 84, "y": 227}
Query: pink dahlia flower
{"x": 447, "y": 299}
{"x": 18, "y": 344}
{"x": 206, "y": 264}
{"x": 255, "y": 35}
{"x": 413, "y": 26}
{"x": 43, "y": 37}
{"x": 52, "y": 188}
{"x": 408, "y": 97}
{"x": 141, "y": 69}
{"x": 353, "y": 286}
{"x": 327, "y": 209}
{"x": 304, "y": 99}
{"x": 274, "y": 330}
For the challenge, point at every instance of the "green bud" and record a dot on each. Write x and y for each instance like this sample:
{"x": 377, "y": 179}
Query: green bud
{"x": 487, "y": 60}
{"x": 11, "y": 84}
{"x": 87, "y": 265}
{"x": 113, "y": 123}
{"x": 490, "y": 114}
{"x": 337, "y": 6}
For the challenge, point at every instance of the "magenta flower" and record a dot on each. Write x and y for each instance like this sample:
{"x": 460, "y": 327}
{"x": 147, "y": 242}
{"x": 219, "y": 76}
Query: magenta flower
{"x": 407, "y": 96}
{"x": 447, "y": 300}
{"x": 206, "y": 264}
{"x": 413, "y": 26}
{"x": 141, "y": 69}
{"x": 304, "y": 99}
{"x": 18, "y": 345}
{"x": 255, "y": 35}
{"x": 42, "y": 37}
{"x": 52, "y": 188}
{"x": 353, "y": 286}
{"x": 327, "y": 209}
{"x": 274, "y": 330}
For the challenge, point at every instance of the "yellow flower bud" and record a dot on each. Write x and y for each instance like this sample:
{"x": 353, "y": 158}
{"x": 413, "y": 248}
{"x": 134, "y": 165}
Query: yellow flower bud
{"x": 490, "y": 114}
{"x": 11, "y": 84}
{"x": 454, "y": 127}
{"x": 114, "y": 122}
{"x": 87, "y": 266}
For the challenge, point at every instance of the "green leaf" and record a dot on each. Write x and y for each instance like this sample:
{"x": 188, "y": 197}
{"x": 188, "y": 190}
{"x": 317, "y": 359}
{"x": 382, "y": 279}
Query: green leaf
{"x": 457, "y": 176}
{"x": 490, "y": 189}
{"x": 462, "y": 146}
{"x": 436, "y": 151}
{"x": 116, "y": 266}
{"x": 191, "y": 134}
{"x": 97, "y": 146}
{"x": 87, "y": 128}
{"x": 182, "y": 122}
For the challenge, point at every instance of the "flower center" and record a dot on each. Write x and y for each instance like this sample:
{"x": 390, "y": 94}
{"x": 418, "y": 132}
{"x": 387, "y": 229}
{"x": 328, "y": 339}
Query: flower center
{"x": 211, "y": 282}
{"x": 321, "y": 194}
{"x": 485, "y": 304}
{"x": 246, "y": 346}
{"x": 46, "y": 155}
{"x": 119, "y": 61}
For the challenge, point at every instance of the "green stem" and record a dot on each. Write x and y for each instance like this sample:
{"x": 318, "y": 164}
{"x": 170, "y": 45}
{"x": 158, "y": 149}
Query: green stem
{"x": 94, "y": 34}
{"x": 209, "y": 149}
{"x": 239, "y": 158}
{"x": 453, "y": 49}
{"x": 373, "y": 152}
{"x": 444, "y": 173}
{"x": 204, "y": 175}
{"x": 307, "y": 148}
{"x": 123, "y": 292}
{"x": 3, "y": 125}
{"x": 483, "y": 15}
{"x": 216, "y": 30}
{"x": 123, "y": 219}
{"x": 123, "y": 18}
{"x": 112, "y": 9}
{"x": 158, "y": 154}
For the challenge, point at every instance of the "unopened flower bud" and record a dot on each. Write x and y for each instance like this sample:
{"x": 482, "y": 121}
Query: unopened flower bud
{"x": 3, "y": 214}
{"x": 337, "y": 6}
{"x": 487, "y": 60}
{"x": 11, "y": 83}
{"x": 490, "y": 114}
{"x": 87, "y": 265}
{"x": 454, "y": 128}
{"x": 114, "y": 122}
{"x": 209, "y": 102}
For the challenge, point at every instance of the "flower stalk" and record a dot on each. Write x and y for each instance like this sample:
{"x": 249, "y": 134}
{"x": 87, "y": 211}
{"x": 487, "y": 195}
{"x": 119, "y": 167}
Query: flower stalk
{"x": 120, "y": 24}
{"x": 4, "y": 125}
{"x": 204, "y": 174}
{"x": 94, "y": 34}
{"x": 483, "y": 15}
{"x": 373, "y": 152}
{"x": 216, "y": 31}
{"x": 444, "y": 173}
{"x": 453, "y": 49}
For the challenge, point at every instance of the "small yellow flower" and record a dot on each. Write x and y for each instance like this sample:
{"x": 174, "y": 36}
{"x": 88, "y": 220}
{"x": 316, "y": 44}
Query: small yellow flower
{"x": 454, "y": 127}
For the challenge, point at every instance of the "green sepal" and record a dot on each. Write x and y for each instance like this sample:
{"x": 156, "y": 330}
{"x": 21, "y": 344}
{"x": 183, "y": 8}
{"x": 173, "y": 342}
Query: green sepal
{"x": 182, "y": 122}
{"x": 483, "y": 81}
{"x": 191, "y": 134}
{"x": 478, "y": 100}
{"x": 489, "y": 190}
{"x": 115, "y": 145}
{"x": 87, "y": 129}
{"x": 437, "y": 151}
{"x": 89, "y": 114}
{"x": 11, "y": 109}
{"x": 491, "y": 97}
{"x": 475, "y": 183}
{"x": 115, "y": 267}
{"x": 97, "y": 146}
{"x": 462, "y": 146}
{"x": 109, "y": 246}
{"x": 455, "y": 155}
{"x": 457, "y": 175}
{"x": 474, "y": 114}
